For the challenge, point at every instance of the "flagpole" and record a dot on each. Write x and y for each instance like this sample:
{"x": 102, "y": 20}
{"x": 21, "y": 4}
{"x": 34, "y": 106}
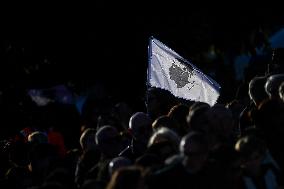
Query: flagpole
{"x": 149, "y": 58}
{"x": 149, "y": 64}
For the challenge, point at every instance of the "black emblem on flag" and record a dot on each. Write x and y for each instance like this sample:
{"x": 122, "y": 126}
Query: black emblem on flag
{"x": 181, "y": 75}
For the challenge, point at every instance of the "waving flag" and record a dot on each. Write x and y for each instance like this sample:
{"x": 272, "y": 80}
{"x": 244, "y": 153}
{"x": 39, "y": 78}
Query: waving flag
{"x": 169, "y": 71}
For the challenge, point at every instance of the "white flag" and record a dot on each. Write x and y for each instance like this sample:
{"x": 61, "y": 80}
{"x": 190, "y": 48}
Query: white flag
{"x": 169, "y": 71}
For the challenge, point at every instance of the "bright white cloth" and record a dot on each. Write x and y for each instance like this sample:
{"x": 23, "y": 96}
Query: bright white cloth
{"x": 169, "y": 71}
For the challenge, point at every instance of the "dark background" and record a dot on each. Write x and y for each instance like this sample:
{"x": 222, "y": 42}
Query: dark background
{"x": 105, "y": 48}
{"x": 108, "y": 46}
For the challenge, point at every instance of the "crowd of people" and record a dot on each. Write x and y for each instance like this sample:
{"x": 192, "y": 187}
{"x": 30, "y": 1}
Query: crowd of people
{"x": 171, "y": 143}
{"x": 176, "y": 143}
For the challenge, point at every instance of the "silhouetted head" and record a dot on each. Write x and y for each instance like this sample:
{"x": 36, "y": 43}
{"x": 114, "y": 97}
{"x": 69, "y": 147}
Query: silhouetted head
{"x": 194, "y": 148}
{"x": 272, "y": 85}
{"x": 108, "y": 140}
{"x": 164, "y": 134}
{"x": 197, "y": 118}
{"x": 252, "y": 151}
{"x": 159, "y": 102}
{"x": 198, "y": 104}
{"x": 87, "y": 139}
{"x": 140, "y": 125}
{"x": 122, "y": 112}
{"x": 38, "y": 137}
{"x": 193, "y": 143}
{"x": 281, "y": 91}
{"x": 257, "y": 91}
{"x": 178, "y": 114}
{"x": 163, "y": 121}
{"x": 221, "y": 121}
{"x": 117, "y": 163}
{"x": 141, "y": 130}
{"x": 164, "y": 143}
{"x": 249, "y": 144}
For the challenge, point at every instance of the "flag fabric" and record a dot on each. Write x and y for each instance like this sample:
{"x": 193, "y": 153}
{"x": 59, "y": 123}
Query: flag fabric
{"x": 168, "y": 70}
